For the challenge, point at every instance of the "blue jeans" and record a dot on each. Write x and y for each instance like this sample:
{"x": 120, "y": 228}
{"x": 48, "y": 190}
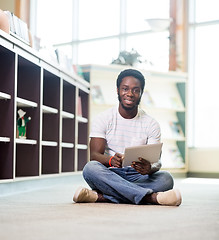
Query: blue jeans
{"x": 125, "y": 185}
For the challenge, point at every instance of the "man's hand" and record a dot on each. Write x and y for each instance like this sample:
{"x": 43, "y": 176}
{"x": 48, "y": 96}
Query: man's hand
{"x": 143, "y": 166}
{"x": 117, "y": 160}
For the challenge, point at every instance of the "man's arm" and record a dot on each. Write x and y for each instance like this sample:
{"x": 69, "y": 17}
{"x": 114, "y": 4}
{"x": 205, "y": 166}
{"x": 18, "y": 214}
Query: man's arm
{"x": 97, "y": 149}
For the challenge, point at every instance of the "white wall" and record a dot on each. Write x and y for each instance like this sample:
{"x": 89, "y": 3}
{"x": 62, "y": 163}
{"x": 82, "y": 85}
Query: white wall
{"x": 203, "y": 160}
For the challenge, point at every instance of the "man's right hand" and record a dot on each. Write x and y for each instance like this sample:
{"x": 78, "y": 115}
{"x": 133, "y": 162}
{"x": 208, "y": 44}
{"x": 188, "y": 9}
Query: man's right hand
{"x": 97, "y": 150}
{"x": 116, "y": 161}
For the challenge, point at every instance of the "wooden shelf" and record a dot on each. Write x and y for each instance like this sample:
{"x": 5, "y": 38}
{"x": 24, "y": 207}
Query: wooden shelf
{"x": 48, "y": 94}
{"x": 49, "y": 143}
{"x": 67, "y": 145}
{"x": 4, "y": 139}
{"x": 81, "y": 146}
{"x": 25, "y": 103}
{"x": 67, "y": 115}
{"x": 47, "y": 109}
{"x": 25, "y": 141}
{"x": 82, "y": 119}
{"x": 5, "y": 96}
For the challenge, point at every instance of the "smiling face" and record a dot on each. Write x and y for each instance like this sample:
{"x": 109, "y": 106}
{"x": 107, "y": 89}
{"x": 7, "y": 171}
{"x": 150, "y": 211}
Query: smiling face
{"x": 129, "y": 94}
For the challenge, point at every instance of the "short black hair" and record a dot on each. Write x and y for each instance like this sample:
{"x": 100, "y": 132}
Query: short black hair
{"x": 133, "y": 73}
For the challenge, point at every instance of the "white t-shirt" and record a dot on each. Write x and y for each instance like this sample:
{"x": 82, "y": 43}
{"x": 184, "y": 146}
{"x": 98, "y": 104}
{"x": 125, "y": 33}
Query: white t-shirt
{"x": 121, "y": 133}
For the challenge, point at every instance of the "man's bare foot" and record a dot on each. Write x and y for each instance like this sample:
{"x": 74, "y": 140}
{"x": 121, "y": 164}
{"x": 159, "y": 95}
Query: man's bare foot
{"x": 150, "y": 198}
{"x": 101, "y": 198}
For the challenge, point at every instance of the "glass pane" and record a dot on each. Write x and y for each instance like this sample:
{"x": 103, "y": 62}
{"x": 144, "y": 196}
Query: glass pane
{"x": 207, "y": 10}
{"x": 99, "y": 52}
{"x": 206, "y": 87}
{"x": 154, "y": 48}
{"x": 54, "y": 21}
{"x": 66, "y": 50}
{"x": 139, "y": 10}
{"x": 98, "y": 18}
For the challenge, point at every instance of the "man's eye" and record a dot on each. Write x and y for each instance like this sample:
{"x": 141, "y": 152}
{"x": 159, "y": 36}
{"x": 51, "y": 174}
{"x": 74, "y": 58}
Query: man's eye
{"x": 136, "y": 91}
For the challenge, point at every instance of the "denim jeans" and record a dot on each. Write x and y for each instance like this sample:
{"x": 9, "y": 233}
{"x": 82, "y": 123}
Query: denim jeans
{"x": 125, "y": 185}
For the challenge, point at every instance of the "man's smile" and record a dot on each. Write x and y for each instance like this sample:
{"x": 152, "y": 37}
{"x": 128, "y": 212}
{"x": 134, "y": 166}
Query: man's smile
{"x": 128, "y": 101}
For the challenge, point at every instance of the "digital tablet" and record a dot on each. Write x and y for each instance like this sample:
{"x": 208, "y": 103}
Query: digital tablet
{"x": 149, "y": 152}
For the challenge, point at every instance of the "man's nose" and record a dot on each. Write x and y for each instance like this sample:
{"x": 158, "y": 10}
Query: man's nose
{"x": 130, "y": 92}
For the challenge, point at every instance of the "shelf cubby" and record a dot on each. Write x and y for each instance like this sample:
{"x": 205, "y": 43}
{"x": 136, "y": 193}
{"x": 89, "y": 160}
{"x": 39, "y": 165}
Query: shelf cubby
{"x": 28, "y": 80}
{"x": 82, "y": 136}
{"x": 51, "y": 90}
{"x": 68, "y": 130}
{"x": 82, "y": 157}
{"x": 68, "y": 127}
{"x": 83, "y": 104}
{"x": 69, "y": 92}
{"x": 32, "y": 128}
{"x": 68, "y": 159}
{"x": 27, "y": 163}
{"x": 68, "y": 113}
{"x": 50, "y": 129}
{"x": 50, "y": 160}
{"x": 7, "y": 72}
{"x": 6, "y": 160}
{"x": 6, "y": 118}
{"x": 7, "y": 76}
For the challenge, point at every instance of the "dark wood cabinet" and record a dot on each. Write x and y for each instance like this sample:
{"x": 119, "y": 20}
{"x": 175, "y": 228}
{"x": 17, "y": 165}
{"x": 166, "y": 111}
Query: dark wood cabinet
{"x": 56, "y": 140}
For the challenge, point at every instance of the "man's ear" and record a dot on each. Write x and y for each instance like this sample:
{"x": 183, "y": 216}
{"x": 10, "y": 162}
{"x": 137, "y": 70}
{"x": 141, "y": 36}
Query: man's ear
{"x": 117, "y": 91}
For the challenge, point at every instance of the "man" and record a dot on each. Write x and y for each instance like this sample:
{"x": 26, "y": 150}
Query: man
{"x": 113, "y": 131}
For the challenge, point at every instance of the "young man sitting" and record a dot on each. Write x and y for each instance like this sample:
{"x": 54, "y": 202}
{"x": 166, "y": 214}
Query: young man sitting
{"x": 113, "y": 131}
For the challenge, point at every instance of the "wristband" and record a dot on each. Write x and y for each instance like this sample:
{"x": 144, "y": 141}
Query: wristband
{"x": 110, "y": 161}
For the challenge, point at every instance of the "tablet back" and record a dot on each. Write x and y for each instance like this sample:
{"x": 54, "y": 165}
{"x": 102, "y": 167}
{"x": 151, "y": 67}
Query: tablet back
{"x": 150, "y": 152}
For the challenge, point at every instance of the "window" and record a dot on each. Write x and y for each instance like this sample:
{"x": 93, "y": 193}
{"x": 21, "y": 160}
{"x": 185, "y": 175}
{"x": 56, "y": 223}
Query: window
{"x": 96, "y": 31}
{"x": 54, "y": 21}
{"x": 206, "y": 10}
{"x": 98, "y": 18}
{"x": 203, "y": 70}
{"x": 102, "y": 51}
{"x": 140, "y": 10}
{"x": 154, "y": 49}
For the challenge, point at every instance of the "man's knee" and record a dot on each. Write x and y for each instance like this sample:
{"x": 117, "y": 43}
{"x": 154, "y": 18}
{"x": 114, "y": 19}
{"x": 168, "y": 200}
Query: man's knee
{"x": 90, "y": 168}
{"x": 167, "y": 178}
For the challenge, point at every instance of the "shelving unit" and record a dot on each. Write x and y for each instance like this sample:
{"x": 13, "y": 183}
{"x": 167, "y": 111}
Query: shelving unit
{"x": 164, "y": 99}
{"x": 49, "y": 95}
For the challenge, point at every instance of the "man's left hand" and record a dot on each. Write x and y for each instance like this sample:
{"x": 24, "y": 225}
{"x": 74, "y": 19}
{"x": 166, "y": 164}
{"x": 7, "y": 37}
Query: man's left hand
{"x": 142, "y": 166}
